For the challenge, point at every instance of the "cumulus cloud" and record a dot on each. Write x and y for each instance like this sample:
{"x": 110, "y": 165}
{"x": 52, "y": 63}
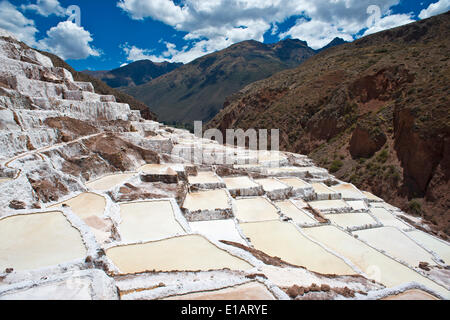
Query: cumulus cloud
{"x": 135, "y": 54}
{"x": 46, "y": 8}
{"x": 317, "y": 33}
{"x": 66, "y": 40}
{"x": 215, "y": 24}
{"x": 435, "y": 8}
{"x": 69, "y": 41}
{"x": 15, "y": 22}
{"x": 389, "y": 22}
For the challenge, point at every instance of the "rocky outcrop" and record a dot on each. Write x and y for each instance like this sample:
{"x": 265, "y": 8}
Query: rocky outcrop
{"x": 365, "y": 142}
{"x": 420, "y": 156}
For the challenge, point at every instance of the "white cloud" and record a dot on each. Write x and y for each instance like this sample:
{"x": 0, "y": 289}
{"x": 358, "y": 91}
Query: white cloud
{"x": 215, "y": 24}
{"x": 46, "y": 8}
{"x": 212, "y": 25}
{"x": 135, "y": 54}
{"x": 389, "y": 22}
{"x": 69, "y": 41}
{"x": 66, "y": 40}
{"x": 317, "y": 33}
{"x": 15, "y": 22}
{"x": 435, "y": 8}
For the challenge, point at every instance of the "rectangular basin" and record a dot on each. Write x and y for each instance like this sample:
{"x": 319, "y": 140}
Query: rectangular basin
{"x": 283, "y": 240}
{"x": 186, "y": 253}
{"x": 255, "y": 209}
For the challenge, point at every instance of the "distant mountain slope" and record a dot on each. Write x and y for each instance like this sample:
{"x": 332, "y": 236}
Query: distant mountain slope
{"x": 335, "y": 42}
{"x": 197, "y": 90}
{"x": 376, "y": 112}
{"x": 134, "y": 74}
{"x": 102, "y": 88}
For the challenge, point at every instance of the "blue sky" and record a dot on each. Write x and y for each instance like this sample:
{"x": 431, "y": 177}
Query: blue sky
{"x": 115, "y": 32}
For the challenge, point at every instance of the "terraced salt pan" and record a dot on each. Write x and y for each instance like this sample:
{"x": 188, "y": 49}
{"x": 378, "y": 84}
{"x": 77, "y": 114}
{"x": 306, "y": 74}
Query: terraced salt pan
{"x": 109, "y": 182}
{"x": 388, "y": 219}
{"x": 85, "y": 205}
{"x": 371, "y": 197}
{"x": 429, "y": 242}
{"x": 325, "y": 193}
{"x": 255, "y": 209}
{"x": 38, "y": 240}
{"x": 90, "y": 207}
{"x": 396, "y": 244}
{"x": 300, "y": 172}
{"x": 359, "y": 205}
{"x": 242, "y": 186}
{"x": 218, "y": 230}
{"x": 187, "y": 253}
{"x": 330, "y": 206}
{"x": 283, "y": 240}
{"x": 349, "y": 192}
{"x": 271, "y": 184}
{"x": 297, "y": 215}
{"x": 414, "y": 294}
{"x": 58, "y": 291}
{"x": 248, "y": 291}
{"x": 162, "y": 169}
{"x": 204, "y": 177}
{"x": 299, "y": 187}
{"x": 149, "y": 220}
{"x": 206, "y": 200}
{"x": 375, "y": 264}
{"x": 351, "y": 220}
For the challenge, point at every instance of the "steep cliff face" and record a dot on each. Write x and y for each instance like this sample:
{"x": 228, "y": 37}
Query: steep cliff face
{"x": 375, "y": 112}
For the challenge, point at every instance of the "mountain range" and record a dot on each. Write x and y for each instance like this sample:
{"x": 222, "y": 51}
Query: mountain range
{"x": 134, "y": 74}
{"x": 375, "y": 112}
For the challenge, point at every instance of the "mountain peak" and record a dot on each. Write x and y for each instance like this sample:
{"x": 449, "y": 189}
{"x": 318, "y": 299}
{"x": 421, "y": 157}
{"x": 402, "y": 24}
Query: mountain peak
{"x": 335, "y": 42}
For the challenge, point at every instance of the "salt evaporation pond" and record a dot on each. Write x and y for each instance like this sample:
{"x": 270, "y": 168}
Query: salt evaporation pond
{"x": 351, "y": 220}
{"x": 396, "y": 244}
{"x": 429, "y": 242}
{"x": 206, "y": 200}
{"x": 204, "y": 177}
{"x": 414, "y": 294}
{"x": 283, "y": 240}
{"x": 297, "y": 215}
{"x": 236, "y": 183}
{"x": 38, "y": 240}
{"x": 90, "y": 207}
{"x": 149, "y": 220}
{"x": 218, "y": 230}
{"x": 255, "y": 209}
{"x": 376, "y": 265}
{"x": 388, "y": 219}
{"x": 248, "y": 291}
{"x": 108, "y": 182}
{"x": 185, "y": 253}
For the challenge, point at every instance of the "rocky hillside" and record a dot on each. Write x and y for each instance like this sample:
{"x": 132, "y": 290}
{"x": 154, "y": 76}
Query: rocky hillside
{"x": 375, "y": 112}
{"x": 134, "y": 74}
{"x": 102, "y": 87}
{"x": 197, "y": 91}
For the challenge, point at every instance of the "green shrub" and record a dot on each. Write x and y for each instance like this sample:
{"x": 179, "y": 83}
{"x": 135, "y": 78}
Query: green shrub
{"x": 383, "y": 156}
{"x": 336, "y": 165}
{"x": 415, "y": 207}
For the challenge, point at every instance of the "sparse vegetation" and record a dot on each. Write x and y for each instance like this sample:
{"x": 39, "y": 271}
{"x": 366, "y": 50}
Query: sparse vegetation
{"x": 336, "y": 165}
